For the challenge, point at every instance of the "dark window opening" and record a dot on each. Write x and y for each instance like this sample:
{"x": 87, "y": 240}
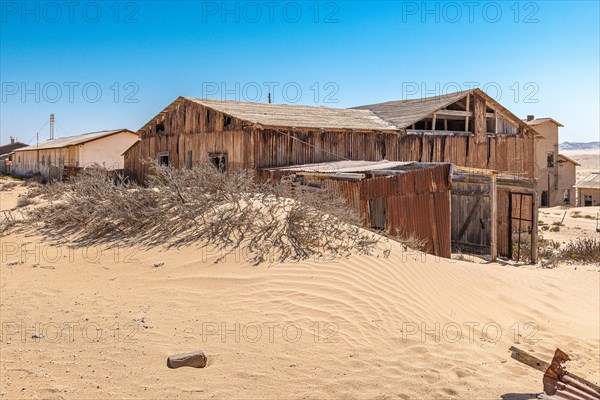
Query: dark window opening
{"x": 566, "y": 197}
{"x": 587, "y": 200}
{"x": 550, "y": 159}
{"x": 208, "y": 120}
{"x": 420, "y": 125}
{"x": 219, "y": 160}
{"x": 226, "y": 121}
{"x": 160, "y": 127}
{"x": 489, "y": 149}
{"x": 163, "y": 158}
{"x": 188, "y": 160}
{"x": 545, "y": 202}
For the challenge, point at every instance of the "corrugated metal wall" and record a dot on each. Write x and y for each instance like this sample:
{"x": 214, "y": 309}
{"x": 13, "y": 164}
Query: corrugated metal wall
{"x": 417, "y": 204}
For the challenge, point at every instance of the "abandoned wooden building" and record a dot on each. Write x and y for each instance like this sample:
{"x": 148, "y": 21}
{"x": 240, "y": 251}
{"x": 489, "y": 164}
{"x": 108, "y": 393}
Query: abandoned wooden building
{"x": 467, "y": 129}
{"x": 59, "y": 157}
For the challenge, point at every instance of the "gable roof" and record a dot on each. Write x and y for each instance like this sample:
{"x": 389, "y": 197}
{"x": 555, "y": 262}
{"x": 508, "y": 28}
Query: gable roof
{"x": 404, "y": 113}
{"x": 286, "y": 115}
{"x": 73, "y": 140}
{"x": 539, "y": 121}
{"x": 592, "y": 181}
{"x": 388, "y": 116}
{"x": 9, "y": 148}
{"x": 569, "y": 159}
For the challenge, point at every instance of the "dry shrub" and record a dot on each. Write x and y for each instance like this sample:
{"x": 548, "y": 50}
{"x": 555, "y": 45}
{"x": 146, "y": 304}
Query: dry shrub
{"x": 8, "y": 185}
{"x": 202, "y": 205}
{"x": 24, "y": 201}
{"x": 583, "y": 250}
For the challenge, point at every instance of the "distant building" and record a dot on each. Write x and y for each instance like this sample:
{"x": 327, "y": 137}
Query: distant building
{"x": 588, "y": 190}
{"x": 5, "y": 156}
{"x": 56, "y": 158}
{"x": 555, "y": 172}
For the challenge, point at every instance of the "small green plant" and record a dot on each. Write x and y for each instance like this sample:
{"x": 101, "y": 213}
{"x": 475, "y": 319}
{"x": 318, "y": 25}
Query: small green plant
{"x": 555, "y": 229}
{"x": 576, "y": 214}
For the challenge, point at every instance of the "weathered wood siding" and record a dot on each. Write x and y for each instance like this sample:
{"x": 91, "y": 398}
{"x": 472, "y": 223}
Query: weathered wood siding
{"x": 191, "y": 126}
{"x": 471, "y": 217}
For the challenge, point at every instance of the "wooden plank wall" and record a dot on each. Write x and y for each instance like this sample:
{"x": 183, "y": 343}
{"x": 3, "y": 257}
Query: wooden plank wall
{"x": 471, "y": 216}
{"x": 507, "y": 153}
{"x": 190, "y": 126}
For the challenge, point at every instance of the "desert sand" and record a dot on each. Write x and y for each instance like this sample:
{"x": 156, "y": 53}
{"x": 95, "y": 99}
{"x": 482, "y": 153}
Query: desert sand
{"x": 589, "y": 160}
{"x": 100, "y": 323}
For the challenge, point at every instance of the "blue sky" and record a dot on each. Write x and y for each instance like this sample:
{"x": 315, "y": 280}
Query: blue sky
{"x": 102, "y": 65}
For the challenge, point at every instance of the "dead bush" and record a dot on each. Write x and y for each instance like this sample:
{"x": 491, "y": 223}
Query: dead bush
{"x": 202, "y": 205}
{"x": 583, "y": 250}
{"x": 24, "y": 201}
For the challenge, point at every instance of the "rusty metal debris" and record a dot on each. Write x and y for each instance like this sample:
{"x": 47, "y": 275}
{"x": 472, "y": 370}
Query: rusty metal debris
{"x": 558, "y": 383}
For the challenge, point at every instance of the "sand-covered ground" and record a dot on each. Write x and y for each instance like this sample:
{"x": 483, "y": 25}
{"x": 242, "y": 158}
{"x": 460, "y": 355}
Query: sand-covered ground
{"x": 589, "y": 160}
{"x": 407, "y": 326}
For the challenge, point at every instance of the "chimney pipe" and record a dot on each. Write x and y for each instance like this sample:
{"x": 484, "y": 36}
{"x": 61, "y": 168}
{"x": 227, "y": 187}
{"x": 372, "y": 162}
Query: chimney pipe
{"x": 530, "y": 117}
{"x": 12, "y": 140}
{"x": 51, "y": 126}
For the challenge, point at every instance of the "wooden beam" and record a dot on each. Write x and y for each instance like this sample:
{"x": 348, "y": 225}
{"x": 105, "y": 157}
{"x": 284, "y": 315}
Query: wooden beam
{"x": 529, "y": 360}
{"x": 494, "y": 219}
{"x": 467, "y": 117}
{"x": 495, "y": 122}
{"x": 433, "y": 122}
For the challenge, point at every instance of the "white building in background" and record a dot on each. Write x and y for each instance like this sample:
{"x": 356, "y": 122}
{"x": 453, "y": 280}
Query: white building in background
{"x": 56, "y": 158}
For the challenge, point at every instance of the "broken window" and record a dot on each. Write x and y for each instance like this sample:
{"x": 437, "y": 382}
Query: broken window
{"x": 163, "y": 158}
{"x": 219, "y": 160}
{"x": 550, "y": 159}
{"x": 160, "y": 127}
{"x": 226, "y": 121}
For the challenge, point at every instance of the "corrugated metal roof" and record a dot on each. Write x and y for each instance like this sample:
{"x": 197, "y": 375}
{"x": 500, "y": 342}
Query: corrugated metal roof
{"x": 285, "y": 115}
{"x": 404, "y": 113}
{"x": 559, "y": 384}
{"x": 592, "y": 181}
{"x": 344, "y": 166}
{"x": 568, "y": 159}
{"x": 72, "y": 140}
{"x": 538, "y": 121}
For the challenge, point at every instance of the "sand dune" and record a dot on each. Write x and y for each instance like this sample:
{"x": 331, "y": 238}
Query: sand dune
{"x": 364, "y": 309}
{"x": 350, "y": 328}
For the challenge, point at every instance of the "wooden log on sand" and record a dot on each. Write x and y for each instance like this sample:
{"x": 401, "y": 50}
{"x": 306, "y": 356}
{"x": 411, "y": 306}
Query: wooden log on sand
{"x": 196, "y": 359}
